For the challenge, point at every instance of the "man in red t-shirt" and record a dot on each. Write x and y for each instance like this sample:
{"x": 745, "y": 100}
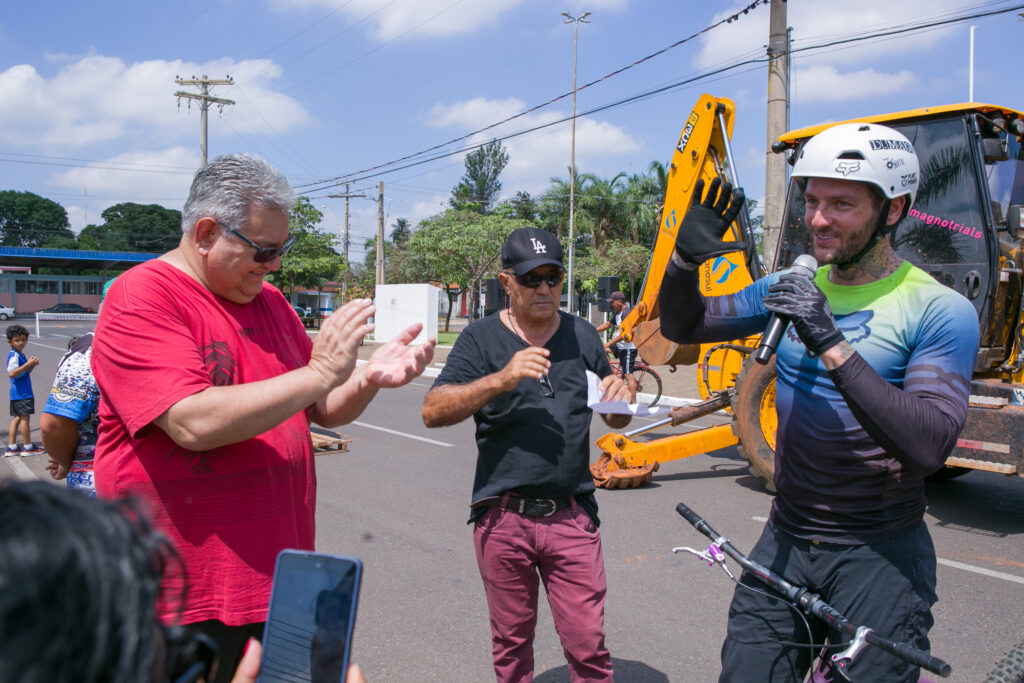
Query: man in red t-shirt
{"x": 209, "y": 383}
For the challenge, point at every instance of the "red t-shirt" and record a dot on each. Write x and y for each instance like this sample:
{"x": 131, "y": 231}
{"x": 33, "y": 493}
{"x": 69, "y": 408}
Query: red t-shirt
{"x": 229, "y": 511}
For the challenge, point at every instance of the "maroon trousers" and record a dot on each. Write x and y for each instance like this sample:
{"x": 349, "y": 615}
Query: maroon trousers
{"x": 515, "y": 552}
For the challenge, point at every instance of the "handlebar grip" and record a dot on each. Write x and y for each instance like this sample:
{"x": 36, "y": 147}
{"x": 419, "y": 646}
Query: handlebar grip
{"x": 922, "y": 659}
{"x": 698, "y": 523}
{"x": 688, "y": 514}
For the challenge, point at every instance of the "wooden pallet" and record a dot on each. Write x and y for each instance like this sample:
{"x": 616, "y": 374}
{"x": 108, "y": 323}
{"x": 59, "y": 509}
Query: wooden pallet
{"x": 326, "y": 442}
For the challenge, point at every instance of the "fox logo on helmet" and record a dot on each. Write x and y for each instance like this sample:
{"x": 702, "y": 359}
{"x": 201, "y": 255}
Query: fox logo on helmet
{"x": 847, "y": 167}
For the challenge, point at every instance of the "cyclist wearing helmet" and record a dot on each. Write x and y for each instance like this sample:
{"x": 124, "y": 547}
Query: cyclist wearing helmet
{"x": 871, "y": 393}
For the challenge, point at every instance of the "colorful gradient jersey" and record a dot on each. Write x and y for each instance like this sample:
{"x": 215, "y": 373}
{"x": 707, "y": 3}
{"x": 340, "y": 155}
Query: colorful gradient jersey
{"x": 835, "y": 481}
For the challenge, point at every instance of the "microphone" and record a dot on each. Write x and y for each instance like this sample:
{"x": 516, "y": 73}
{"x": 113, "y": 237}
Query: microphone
{"x": 805, "y": 265}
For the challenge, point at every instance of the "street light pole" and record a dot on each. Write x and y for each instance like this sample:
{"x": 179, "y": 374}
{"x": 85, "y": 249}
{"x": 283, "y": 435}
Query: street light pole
{"x": 569, "y": 19}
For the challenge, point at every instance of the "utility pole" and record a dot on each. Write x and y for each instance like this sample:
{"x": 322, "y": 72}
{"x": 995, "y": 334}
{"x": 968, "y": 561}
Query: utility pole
{"x": 204, "y": 98}
{"x": 346, "y": 197}
{"x": 778, "y": 115}
{"x": 380, "y": 233}
{"x": 569, "y": 19}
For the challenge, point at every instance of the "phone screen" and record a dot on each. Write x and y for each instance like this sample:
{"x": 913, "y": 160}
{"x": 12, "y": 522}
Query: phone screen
{"x": 308, "y": 634}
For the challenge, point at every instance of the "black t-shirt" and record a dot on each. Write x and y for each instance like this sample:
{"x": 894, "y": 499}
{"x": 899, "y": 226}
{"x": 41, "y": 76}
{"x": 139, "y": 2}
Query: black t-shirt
{"x": 536, "y": 446}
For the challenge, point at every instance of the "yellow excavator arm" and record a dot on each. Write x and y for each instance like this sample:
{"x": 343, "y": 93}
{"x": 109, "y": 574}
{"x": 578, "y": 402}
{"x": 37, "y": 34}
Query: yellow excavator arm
{"x": 702, "y": 152}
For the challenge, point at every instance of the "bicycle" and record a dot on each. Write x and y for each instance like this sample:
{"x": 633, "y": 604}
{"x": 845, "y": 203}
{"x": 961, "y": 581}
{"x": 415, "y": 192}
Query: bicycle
{"x": 812, "y": 605}
{"x": 647, "y": 380}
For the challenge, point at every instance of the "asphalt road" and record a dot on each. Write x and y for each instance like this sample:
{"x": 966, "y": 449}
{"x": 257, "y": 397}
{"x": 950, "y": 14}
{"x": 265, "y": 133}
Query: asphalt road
{"x": 399, "y": 501}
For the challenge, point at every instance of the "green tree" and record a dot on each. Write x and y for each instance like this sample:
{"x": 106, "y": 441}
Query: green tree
{"x": 313, "y": 260}
{"x": 28, "y": 220}
{"x": 461, "y": 248}
{"x": 520, "y": 207}
{"x": 401, "y": 231}
{"x": 602, "y": 201}
{"x": 621, "y": 259}
{"x": 479, "y": 187}
{"x": 133, "y": 227}
{"x": 370, "y": 257}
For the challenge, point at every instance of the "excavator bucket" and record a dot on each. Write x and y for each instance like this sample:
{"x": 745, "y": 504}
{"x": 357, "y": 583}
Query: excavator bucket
{"x": 615, "y": 473}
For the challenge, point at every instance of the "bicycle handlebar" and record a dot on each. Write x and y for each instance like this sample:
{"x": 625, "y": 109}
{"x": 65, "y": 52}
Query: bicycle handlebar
{"x": 810, "y": 603}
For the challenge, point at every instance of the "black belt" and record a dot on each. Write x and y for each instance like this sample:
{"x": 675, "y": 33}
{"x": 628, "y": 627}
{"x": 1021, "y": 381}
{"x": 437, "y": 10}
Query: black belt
{"x": 535, "y": 507}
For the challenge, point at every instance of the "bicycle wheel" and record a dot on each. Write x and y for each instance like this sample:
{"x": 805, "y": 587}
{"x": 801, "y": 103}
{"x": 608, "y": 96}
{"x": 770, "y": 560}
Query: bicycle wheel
{"x": 1010, "y": 668}
{"x": 647, "y": 382}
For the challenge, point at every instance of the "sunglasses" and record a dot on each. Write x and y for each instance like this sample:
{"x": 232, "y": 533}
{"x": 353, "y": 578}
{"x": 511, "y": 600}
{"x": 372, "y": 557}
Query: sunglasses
{"x": 546, "y": 390}
{"x": 533, "y": 280}
{"x": 265, "y": 254}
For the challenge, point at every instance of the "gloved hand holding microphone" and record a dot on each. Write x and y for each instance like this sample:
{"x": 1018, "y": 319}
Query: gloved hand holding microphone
{"x": 796, "y": 298}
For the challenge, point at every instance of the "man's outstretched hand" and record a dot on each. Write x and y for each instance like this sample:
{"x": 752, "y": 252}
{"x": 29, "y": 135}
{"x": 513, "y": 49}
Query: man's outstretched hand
{"x": 396, "y": 362}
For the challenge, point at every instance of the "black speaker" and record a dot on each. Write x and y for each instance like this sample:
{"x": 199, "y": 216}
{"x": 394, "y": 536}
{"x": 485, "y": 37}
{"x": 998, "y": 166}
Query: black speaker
{"x": 494, "y": 294}
{"x": 605, "y": 287}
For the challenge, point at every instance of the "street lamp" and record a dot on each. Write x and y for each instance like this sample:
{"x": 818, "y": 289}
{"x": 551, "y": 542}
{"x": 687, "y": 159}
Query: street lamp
{"x": 569, "y": 19}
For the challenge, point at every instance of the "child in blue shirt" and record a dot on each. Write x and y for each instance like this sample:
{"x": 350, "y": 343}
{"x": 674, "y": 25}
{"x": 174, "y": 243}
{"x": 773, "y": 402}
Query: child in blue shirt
{"x": 22, "y": 399}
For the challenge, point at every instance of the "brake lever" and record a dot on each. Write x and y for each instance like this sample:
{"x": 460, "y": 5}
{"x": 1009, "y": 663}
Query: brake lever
{"x": 713, "y": 555}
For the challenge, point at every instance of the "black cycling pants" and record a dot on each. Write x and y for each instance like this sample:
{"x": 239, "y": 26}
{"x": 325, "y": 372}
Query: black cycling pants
{"x": 888, "y": 586}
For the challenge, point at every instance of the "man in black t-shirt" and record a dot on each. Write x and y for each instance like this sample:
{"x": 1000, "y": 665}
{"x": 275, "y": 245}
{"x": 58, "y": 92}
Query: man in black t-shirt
{"x": 522, "y": 374}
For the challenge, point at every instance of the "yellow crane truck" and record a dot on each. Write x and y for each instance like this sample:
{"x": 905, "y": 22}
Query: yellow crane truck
{"x": 965, "y": 229}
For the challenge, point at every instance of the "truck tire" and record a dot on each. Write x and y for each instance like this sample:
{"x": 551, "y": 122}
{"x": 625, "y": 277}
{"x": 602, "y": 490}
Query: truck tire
{"x": 754, "y": 419}
{"x": 1010, "y": 668}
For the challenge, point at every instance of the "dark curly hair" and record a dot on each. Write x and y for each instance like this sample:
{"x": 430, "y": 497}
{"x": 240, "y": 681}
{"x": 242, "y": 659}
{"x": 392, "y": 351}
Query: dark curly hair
{"x": 79, "y": 582}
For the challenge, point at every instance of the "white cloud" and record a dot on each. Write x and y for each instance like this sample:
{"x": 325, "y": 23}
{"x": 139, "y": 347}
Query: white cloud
{"x": 155, "y": 177}
{"x": 534, "y": 158}
{"x": 98, "y": 99}
{"x": 389, "y": 19}
{"x": 827, "y": 84}
{"x": 821, "y": 22}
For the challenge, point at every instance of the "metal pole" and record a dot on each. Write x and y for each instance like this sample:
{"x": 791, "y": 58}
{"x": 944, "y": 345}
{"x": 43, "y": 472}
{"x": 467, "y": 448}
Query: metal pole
{"x": 775, "y": 164}
{"x": 970, "y": 90}
{"x": 572, "y": 159}
{"x": 380, "y": 233}
{"x": 203, "y": 108}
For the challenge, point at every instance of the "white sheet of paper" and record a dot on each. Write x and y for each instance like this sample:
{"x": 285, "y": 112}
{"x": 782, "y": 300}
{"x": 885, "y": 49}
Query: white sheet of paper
{"x": 595, "y": 403}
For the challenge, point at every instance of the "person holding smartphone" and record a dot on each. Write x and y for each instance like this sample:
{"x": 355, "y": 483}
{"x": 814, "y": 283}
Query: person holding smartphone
{"x": 101, "y": 625}
{"x": 521, "y": 374}
{"x": 209, "y": 383}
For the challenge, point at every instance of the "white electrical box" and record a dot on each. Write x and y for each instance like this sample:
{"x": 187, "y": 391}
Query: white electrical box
{"x": 399, "y": 306}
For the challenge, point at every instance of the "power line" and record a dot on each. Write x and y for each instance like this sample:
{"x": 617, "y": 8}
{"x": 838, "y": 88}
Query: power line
{"x": 537, "y": 107}
{"x": 368, "y": 174}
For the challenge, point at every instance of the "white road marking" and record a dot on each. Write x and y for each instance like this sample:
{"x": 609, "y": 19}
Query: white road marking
{"x": 21, "y": 470}
{"x": 47, "y": 346}
{"x": 981, "y": 570}
{"x": 959, "y": 565}
{"x": 408, "y": 436}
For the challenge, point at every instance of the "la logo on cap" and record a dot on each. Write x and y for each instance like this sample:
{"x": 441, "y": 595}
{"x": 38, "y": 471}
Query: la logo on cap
{"x": 538, "y": 246}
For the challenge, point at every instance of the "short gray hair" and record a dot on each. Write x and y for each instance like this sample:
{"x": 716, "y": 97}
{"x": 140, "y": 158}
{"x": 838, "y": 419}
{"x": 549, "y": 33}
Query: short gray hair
{"x": 229, "y": 186}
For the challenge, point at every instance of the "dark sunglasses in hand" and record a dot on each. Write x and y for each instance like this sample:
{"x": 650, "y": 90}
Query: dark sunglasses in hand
{"x": 533, "y": 280}
{"x": 546, "y": 390}
{"x": 265, "y": 254}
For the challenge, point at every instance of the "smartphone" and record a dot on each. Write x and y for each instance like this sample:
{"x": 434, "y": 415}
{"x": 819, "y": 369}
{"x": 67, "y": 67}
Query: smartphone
{"x": 308, "y": 635}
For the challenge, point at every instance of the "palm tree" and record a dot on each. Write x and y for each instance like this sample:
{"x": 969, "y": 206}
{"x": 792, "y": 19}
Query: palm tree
{"x": 601, "y": 201}
{"x": 401, "y": 231}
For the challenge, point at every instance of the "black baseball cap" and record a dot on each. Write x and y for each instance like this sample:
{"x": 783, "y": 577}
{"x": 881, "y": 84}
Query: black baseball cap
{"x": 617, "y": 296}
{"x": 528, "y": 248}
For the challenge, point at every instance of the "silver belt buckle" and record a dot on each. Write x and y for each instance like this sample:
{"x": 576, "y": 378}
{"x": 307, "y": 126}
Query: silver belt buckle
{"x": 554, "y": 507}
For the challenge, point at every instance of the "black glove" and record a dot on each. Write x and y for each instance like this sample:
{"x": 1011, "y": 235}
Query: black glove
{"x": 700, "y": 235}
{"x": 797, "y": 298}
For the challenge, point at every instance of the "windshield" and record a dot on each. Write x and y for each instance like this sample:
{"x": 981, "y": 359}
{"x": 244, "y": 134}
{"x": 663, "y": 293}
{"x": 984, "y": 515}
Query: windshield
{"x": 1006, "y": 179}
{"x": 944, "y": 232}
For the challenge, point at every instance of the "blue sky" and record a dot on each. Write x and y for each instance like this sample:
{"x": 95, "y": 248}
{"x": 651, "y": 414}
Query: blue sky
{"x": 326, "y": 88}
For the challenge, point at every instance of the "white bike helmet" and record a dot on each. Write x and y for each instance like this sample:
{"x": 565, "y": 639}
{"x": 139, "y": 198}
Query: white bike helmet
{"x": 865, "y": 152}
